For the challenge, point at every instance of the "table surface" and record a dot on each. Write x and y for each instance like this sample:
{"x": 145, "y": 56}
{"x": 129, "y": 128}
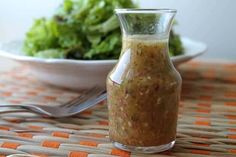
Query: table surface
{"x": 206, "y": 124}
{"x": 7, "y": 64}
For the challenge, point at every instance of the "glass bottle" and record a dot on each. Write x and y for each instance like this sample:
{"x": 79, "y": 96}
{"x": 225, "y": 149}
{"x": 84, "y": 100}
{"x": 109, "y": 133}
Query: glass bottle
{"x": 144, "y": 87}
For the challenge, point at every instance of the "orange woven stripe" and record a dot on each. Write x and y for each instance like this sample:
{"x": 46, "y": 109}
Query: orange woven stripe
{"x": 232, "y": 122}
{"x": 119, "y": 152}
{"x": 206, "y": 123}
{"x": 232, "y": 129}
{"x": 103, "y": 122}
{"x": 6, "y": 94}
{"x": 78, "y": 154}
{"x": 4, "y": 128}
{"x": 97, "y": 135}
{"x": 26, "y": 135}
{"x": 15, "y": 101}
{"x": 210, "y": 74}
{"x": 204, "y": 110}
{"x": 10, "y": 145}
{"x": 88, "y": 143}
{"x": 60, "y": 134}
{"x": 232, "y": 136}
{"x": 14, "y": 120}
{"x": 40, "y": 89}
{"x": 231, "y": 79}
{"x": 229, "y": 66}
{"x": 230, "y": 94}
{"x": 203, "y": 152}
{"x": 35, "y": 127}
{"x": 51, "y": 98}
{"x": 204, "y": 105}
{"x": 230, "y": 103}
{"x": 200, "y": 118}
{"x": 205, "y": 98}
{"x": 2, "y": 156}
{"x": 194, "y": 63}
{"x": 230, "y": 116}
{"x": 232, "y": 151}
{"x": 51, "y": 144}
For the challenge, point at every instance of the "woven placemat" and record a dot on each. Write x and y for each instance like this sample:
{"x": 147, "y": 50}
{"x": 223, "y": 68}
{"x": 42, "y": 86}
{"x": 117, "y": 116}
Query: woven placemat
{"x": 206, "y": 125}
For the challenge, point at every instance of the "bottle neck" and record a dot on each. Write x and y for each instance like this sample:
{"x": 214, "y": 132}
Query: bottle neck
{"x": 147, "y": 54}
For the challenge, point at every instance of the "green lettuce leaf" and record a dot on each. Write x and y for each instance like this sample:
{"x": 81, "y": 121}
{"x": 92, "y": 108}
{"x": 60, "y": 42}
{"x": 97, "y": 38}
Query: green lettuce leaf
{"x": 82, "y": 29}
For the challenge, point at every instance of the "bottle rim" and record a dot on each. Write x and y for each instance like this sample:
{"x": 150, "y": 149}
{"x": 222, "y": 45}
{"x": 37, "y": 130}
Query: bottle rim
{"x": 144, "y": 11}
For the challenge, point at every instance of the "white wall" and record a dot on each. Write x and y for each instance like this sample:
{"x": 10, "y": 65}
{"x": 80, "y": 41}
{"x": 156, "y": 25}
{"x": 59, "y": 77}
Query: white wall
{"x": 16, "y": 16}
{"x": 210, "y": 21}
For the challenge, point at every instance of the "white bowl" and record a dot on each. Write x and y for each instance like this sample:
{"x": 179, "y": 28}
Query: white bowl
{"x": 81, "y": 74}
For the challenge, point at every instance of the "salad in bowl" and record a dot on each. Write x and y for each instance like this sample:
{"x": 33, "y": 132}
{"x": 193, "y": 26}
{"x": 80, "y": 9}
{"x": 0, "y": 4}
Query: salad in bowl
{"x": 80, "y": 43}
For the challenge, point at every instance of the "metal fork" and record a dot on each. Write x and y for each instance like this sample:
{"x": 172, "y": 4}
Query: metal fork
{"x": 84, "y": 101}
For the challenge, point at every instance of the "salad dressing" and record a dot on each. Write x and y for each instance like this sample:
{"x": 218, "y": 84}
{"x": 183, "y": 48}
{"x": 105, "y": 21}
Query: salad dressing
{"x": 143, "y": 93}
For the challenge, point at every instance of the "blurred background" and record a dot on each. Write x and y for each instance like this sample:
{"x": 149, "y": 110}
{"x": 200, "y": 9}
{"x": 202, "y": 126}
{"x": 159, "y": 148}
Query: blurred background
{"x": 210, "y": 21}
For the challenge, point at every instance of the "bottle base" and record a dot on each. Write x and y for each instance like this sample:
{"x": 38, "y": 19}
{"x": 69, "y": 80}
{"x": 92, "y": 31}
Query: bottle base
{"x": 148, "y": 150}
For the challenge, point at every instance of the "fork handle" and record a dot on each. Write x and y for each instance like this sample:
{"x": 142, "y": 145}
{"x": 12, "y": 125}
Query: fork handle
{"x": 13, "y": 106}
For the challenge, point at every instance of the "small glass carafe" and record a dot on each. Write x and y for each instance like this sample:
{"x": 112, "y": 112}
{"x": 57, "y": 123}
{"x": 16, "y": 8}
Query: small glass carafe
{"x": 144, "y": 86}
